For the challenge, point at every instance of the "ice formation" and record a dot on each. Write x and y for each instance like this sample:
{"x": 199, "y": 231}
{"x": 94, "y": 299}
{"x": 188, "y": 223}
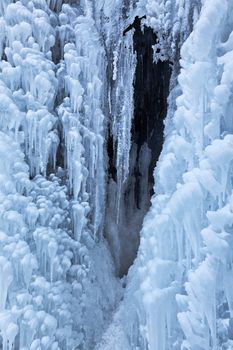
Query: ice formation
{"x": 181, "y": 280}
{"x": 76, "y": 178}
{"x": 51, "y": 122}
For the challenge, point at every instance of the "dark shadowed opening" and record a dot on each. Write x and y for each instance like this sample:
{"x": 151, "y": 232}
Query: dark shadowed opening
{"x": 151, "y": 89}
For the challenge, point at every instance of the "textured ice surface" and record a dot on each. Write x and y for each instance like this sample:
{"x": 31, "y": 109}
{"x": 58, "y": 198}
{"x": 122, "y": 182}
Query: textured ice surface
{"x": 66, "y": 84}
{"x": 181, "y": 279}
{"x": 54, "y": 266}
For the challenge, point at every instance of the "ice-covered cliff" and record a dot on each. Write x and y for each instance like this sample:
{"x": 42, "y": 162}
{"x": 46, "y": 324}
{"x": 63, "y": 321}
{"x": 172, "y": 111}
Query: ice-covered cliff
{"x": 54, "y": 265}
{"x": 116, "y": 118}
{"x": 180, "y": 286}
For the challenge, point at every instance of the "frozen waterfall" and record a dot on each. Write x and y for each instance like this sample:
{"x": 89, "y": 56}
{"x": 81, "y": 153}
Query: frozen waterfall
{"x": 116, "y": 169}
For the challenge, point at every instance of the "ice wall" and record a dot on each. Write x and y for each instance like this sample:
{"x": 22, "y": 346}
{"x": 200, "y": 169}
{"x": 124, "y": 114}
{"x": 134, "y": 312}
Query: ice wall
{"x": 66, "y": 85}
{"x": 54, "y": 266}
{"x": 179, "y": 289}
{"x": 136, "y": 118}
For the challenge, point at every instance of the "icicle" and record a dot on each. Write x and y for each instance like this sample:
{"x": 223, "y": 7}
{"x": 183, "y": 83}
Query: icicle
{"x": 74, "y": 161}
{"x": 52, "y": 250}
{"x": 8, "y": 330}
{"x": 79, "y": 220}
{"x": 123, "y": 110}
{"x": 6, "y": 278}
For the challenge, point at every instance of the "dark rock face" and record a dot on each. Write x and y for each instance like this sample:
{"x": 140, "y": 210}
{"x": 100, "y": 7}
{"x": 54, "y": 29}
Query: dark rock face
{"x": 151, "y": 89}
